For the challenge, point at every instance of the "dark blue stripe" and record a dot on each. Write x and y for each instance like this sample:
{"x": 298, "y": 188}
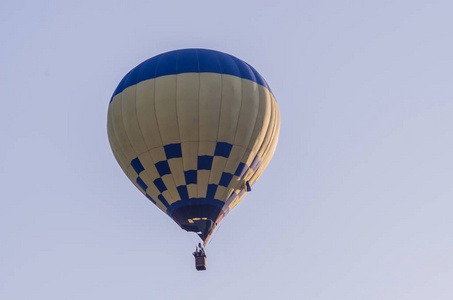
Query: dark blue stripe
{"x": 141, "y": 184}
{"x": 223, "y": 149}
{"x": 225, "y": 179}
{"x": 189, "y": 61}
{"x": 240, "y": 171}
{"x": 183, "y": 192}
{"x": 191, "y": 176}
{"x": 159, "y": 183}
{"x": 163, "y": 200}
{"x": 173, "y": 151}
{"x": 137, "y": 165}
{"x": 194, "y": 201}
{"x": 149, "y": 197}
{"x": 163, "y": 168}
{"x": 204, "y": 162}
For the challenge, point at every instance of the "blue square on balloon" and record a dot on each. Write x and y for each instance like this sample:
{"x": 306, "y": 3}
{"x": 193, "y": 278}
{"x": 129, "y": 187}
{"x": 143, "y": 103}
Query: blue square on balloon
{"x": 173, "y": 150}
{"x": 163, "y": 200}
{"x": 225, "y": 179}
{"x": 149, "y": 197}
{"x": 137, "y": 165}
{"x": 163, "y": 168}
{"x": 183, "y": 192}
{"x": 160, "y": 185}
{"x": 223, "y": 149}
{"x": 141, "y": 183}
{"x": 240, "y": 171}
{"x": 204, "y": 162}
{"x": 191, "y": 176}
{"x": 212, "y": 188}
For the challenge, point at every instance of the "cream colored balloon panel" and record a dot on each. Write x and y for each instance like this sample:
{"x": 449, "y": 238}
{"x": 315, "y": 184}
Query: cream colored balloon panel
{"x": 256, "y": 153}
{"x": 245, "y": 126}
{"x": 258, "y": 133}
{"x": 254, "y": 169}
{"x": 210, "y": 99}
{"x": 146, "y": 113}
{"x": 260, "y": 127}
{"x": 116, "y": 149}
{"x": 131, "y": 125}
{"x": 270, "y": 149}
{"x": 248, "y": 113}
{"x": 118, "y": 152}
{"x": 187, "y": 93}
{"x": 120, "y": 132}
{"x": 165, "y": 104}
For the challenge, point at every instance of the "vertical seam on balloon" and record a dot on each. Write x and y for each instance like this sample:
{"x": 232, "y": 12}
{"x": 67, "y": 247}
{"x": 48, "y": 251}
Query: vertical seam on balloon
{"x": 125, "y": 130}
{"x": 269, "y": 147}
{"x": 220, "y": 109}
{"x": 116, "y": 139}
{"x": 232, "y": 186}
{"x": 274, "y": 128}
{"x": 143, "y": 137}
{"x": 154, "y": 104}
{"x": 136, "y": 115}
{"x": 155, "y": 113}
{"x": 218, "y": 124}
{"x": 236, "y": 130}
{"x": 177, "y": 123}
{"x": 239, "y": 114}
{"x": 158, "y": 131}
{"x": 237, "y": 121}
{"x": 124, "y": 126}
{"x": 177, "y": 126}
{"x": 266, "y": 132}
{"x": 250, "y": 139}
{"x": 247, "y": 175}
{"x": 122, "y": 122}
{"x": 198, "y": 116}
{"x": 265, "y": 146}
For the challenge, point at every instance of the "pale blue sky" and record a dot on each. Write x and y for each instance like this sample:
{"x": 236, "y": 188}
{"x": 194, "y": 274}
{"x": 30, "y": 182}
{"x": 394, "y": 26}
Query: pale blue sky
{"x": 356, "y": 204}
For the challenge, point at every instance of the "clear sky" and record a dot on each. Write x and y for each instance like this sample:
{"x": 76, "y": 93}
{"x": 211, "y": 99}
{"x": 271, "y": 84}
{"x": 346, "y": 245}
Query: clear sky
{"x": 356, "y": 204}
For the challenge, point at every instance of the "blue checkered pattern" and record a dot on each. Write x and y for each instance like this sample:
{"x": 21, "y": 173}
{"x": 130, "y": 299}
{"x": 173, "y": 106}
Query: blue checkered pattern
{"x": 191, "y": 176}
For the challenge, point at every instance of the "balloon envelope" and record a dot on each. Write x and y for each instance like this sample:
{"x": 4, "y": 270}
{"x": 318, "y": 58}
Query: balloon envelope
{"x": 193, "y": 129}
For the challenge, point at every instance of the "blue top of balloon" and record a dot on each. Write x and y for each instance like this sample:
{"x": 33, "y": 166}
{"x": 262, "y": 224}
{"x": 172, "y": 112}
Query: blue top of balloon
{"x": 190, "y": 61}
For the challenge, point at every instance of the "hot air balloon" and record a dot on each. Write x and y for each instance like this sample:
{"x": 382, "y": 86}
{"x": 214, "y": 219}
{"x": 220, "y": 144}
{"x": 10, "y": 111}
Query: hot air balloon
{"x": 193, "y": 129}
